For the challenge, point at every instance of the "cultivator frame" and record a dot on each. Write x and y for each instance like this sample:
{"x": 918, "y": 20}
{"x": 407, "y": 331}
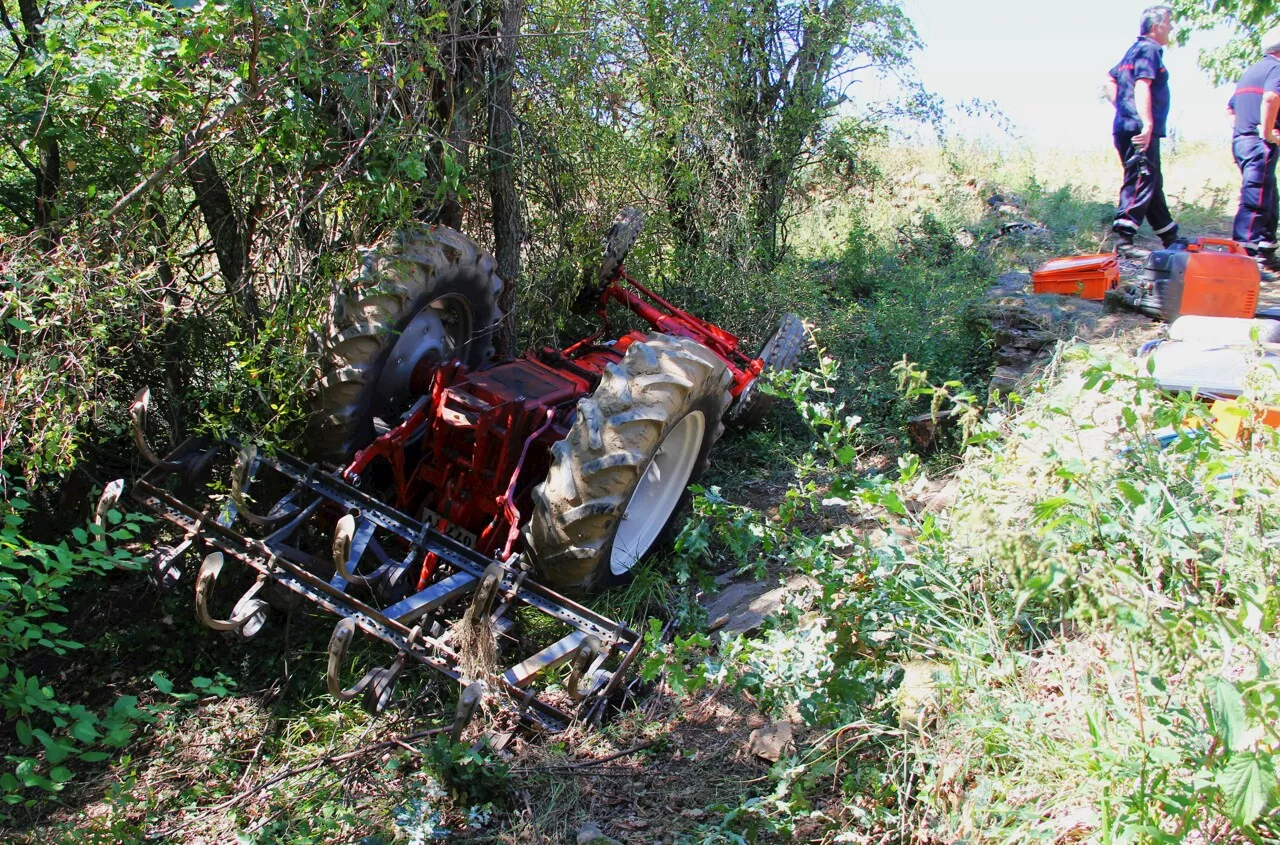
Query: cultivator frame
{"x": 600, "y": 650}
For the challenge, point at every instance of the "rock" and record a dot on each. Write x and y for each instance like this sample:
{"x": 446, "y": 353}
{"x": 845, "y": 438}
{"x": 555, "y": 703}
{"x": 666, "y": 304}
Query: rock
{"x": 591, "y": 834}
{"x": 916, "y": 697}
{"x": 724, "y": 579}
{"x": 749, "y": 603}
{"x": 940, "y": 498}
{"x": 1010, "y": 283}
{"x": 735, "y": 596}
{"x": 771, "y": 742}
{"x": 1006, "y": 379}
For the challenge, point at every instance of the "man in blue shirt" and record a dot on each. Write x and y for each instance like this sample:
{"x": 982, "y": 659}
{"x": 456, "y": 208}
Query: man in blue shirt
{"x": 1139, "y": 87}
{"x": 1256, "y": 146}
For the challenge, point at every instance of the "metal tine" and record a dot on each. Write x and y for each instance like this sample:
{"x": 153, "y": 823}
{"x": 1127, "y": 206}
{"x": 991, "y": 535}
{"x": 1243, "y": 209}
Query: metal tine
{"x": 246, "y": 471}
{"x": 110, "y": 496}
{"x": 138, "y": 410}
{"x": 587, "y": 659}
{"x": 349, "y": 542}
{"x": 249, "y": 614}
{"x": 468, "y": 703}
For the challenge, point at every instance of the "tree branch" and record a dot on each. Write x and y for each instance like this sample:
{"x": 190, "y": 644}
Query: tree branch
{"x": 190, "y": 146}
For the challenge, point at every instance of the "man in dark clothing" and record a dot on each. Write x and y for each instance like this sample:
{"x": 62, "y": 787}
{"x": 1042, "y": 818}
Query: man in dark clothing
{"x": 1256, "y": 110}
{"x": 1139, "y": 87}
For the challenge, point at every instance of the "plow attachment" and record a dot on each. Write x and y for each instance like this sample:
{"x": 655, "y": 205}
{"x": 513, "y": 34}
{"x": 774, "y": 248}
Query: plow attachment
{"x": 412, "y": 583}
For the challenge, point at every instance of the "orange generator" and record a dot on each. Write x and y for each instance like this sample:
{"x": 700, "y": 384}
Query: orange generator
{"x": 1212, "y": 277}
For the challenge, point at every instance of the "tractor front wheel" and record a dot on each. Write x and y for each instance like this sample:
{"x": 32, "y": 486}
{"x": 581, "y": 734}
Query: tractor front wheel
{"x": 620, "y": 479}
{"x": 780, "y": 353}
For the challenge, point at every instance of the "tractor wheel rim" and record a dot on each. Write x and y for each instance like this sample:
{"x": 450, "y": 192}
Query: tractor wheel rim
{"x": 661, "y": 485}
{"x": 436, "y": 333}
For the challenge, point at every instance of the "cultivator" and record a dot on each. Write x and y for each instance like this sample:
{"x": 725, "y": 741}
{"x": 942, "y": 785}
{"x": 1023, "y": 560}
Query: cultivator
{"x": 457, "y": 497}
{"x": 374, "y": 551}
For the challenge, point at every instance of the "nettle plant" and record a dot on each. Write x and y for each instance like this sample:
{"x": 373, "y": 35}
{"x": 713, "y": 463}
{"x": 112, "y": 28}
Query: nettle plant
{"x": 34, "y": 577}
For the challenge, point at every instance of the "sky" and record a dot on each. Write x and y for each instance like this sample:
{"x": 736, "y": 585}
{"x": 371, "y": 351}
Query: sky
{"x": 1044, "y": 64}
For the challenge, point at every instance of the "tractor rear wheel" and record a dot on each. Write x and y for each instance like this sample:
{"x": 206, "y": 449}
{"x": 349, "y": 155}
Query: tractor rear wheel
{"x": 781, "y": 352}
{"x": 426, "y": 297}
{"x": 620, "y": 479}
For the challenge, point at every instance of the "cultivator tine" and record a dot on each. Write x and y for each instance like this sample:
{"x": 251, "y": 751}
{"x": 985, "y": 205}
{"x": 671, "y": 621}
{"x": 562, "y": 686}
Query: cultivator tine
{"x": 343, "y": 633}
{"x": 586, "y": 660}
{"x": 349, "y": 543}
{"x": 378, "y": 684}
{"x": 468, "y": 703}
{"x": 482, "y": 601}
{"x": 137, "y": 412}
{"x": 249, "y": 614}
{"x": 165, "y": 569}
{"x": 110, "y": 496}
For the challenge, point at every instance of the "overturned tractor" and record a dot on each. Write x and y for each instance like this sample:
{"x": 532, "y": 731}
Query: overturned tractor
{"x": 450, "y": 489}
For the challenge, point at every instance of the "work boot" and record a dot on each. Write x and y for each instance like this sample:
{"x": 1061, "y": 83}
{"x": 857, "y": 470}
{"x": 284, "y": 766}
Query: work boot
{"x": 1268, "y": 261}
{"x": 1170, "y": 237}
{"x": 1124, "y": 243}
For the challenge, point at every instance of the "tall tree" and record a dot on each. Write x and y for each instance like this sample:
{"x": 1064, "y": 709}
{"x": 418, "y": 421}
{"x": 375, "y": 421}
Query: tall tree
{"x": 1246, "y": 19}
{"x": 507, "y": 227}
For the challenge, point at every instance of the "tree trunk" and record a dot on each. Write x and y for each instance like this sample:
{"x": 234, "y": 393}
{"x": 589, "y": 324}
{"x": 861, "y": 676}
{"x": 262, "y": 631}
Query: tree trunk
{"x": 508, "y": 234}
{"x": 49, "y": 167}
{"x": 468, "y": 35}
{"x": 175, "y": 369}
{"x": 229, "y": 232}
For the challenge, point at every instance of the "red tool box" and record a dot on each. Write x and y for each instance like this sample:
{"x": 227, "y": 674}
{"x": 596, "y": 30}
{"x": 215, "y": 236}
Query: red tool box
{"x": 1085, "y": 276}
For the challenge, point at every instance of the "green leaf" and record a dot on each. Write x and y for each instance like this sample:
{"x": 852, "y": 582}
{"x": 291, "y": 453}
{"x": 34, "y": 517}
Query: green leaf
{"x": 1247, "y": 782}
{"x": 1132, "y": 494}
{"x": 24, "y": 731}
{"x": 85, "y": 732}
{"x": 94, "y": 756}
{"x": 1226, "y": 707}
{"x": 20, "y": 324}
{"x": 60, "y": 774}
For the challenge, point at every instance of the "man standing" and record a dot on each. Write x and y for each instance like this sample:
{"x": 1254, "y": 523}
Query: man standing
{"x": 1256, "y": 107}
{"x": 1139, "y": 87}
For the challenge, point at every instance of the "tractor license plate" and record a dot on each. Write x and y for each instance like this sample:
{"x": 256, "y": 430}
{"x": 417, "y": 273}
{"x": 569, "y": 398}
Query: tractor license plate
{"x": 453, "y": 532}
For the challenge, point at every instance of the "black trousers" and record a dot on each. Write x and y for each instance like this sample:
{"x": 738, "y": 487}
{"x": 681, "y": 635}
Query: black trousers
{"x": 1142, "y": 195}
{"x": 1255, "y": 223}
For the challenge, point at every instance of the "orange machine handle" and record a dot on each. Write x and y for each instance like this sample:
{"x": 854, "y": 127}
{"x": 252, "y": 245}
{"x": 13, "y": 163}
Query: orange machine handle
{"x": 1226, "y": 243}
